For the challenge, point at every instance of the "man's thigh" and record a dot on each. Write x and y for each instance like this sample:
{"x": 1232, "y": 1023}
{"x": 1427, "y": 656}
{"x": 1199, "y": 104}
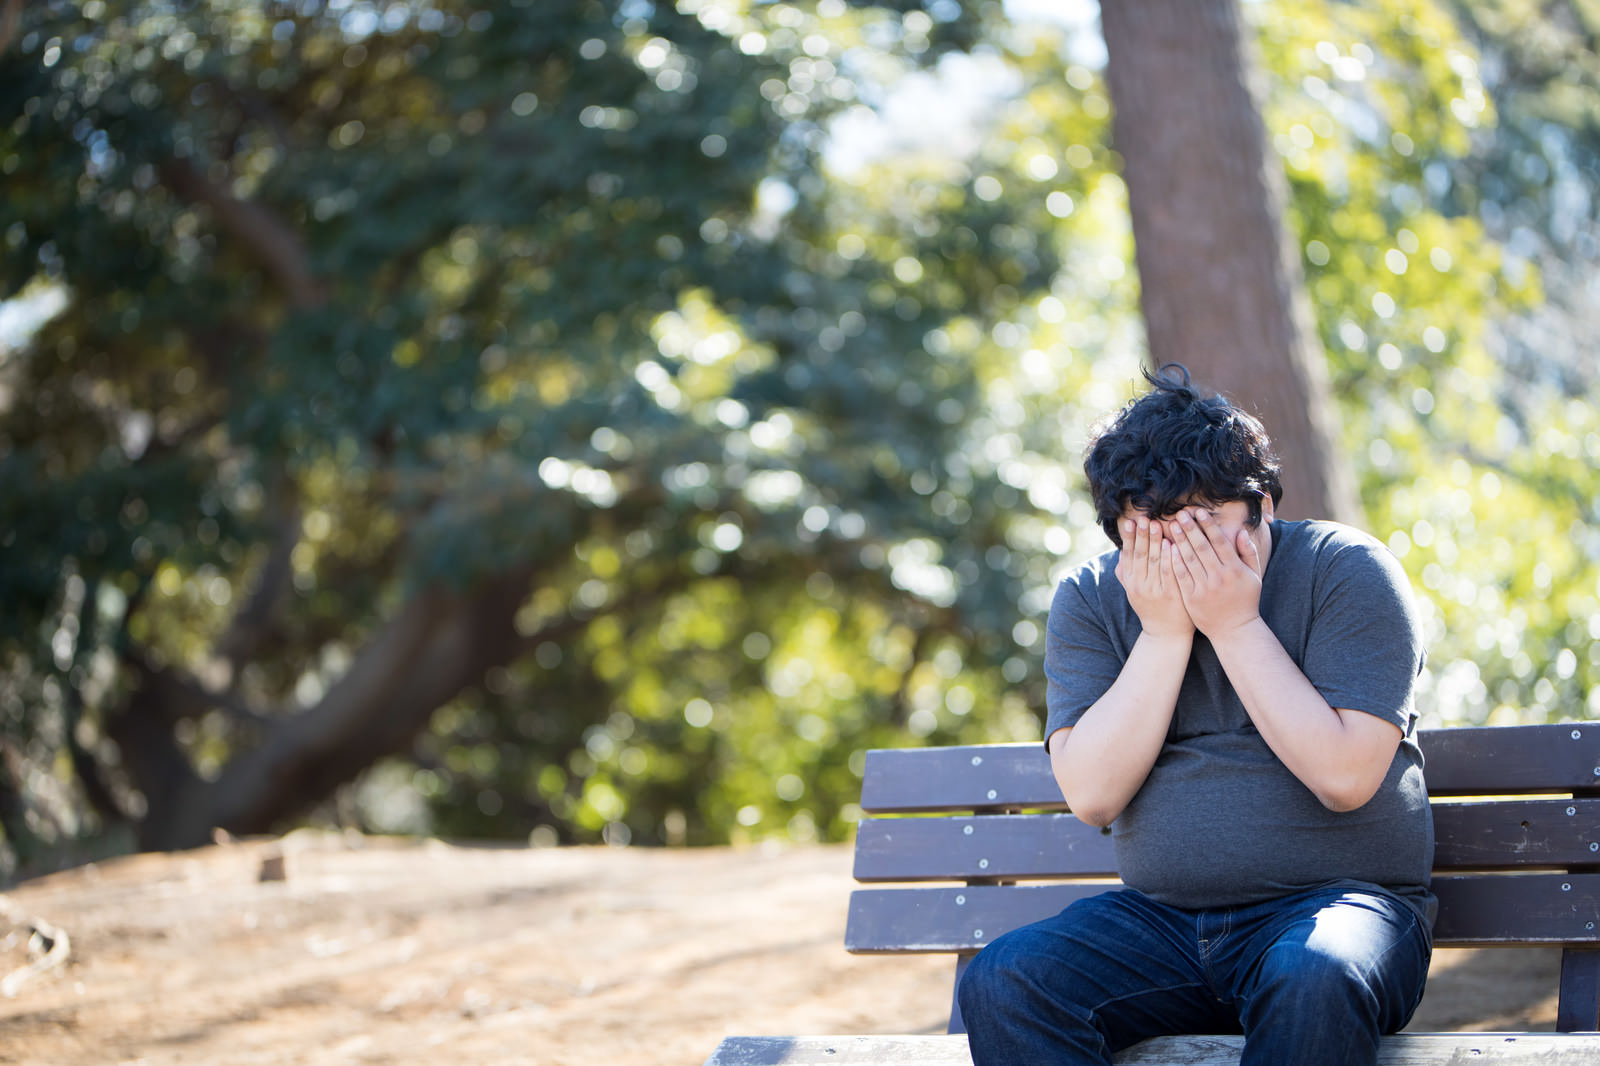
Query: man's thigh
{"x": 1122, "y": 962}
{"x": 1318, "y": 945}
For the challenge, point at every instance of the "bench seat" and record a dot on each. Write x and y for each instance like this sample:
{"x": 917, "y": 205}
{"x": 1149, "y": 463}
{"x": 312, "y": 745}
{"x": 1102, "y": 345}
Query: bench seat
{"x": 965, "y": 843}
{"x": 1406, "y": 1049}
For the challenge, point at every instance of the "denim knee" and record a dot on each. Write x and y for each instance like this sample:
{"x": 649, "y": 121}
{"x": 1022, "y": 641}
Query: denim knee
{"x": 987, "y": 977}
{"x": 1309, "y": 974}
{"x": 1374, "y": 978}
{"x": 1018, "y": 1004}
{"x": 1007, "y": 972}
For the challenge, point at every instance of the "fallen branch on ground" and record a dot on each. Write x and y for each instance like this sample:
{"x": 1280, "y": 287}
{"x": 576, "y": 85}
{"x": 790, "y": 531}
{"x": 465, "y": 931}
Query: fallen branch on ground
{"x": 50, "y": 943}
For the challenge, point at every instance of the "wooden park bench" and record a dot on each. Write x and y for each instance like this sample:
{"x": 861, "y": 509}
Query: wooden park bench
{"x": 1516, "y": 816}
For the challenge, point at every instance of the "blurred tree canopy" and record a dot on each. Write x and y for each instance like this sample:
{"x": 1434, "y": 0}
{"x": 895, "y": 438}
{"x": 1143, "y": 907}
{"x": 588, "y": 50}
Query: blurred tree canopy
{"x": 605, "y": 420}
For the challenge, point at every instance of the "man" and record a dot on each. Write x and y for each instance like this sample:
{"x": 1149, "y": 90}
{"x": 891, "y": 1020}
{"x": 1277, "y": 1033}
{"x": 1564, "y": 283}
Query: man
{"x": 1232, "y": 695}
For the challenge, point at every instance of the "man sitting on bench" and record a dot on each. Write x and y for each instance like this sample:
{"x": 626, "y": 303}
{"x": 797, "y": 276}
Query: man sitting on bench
{"x": 1232, "y": 695}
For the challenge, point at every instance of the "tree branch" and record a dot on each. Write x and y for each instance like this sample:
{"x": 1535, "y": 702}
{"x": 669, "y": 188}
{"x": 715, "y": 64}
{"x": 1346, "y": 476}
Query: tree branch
{"x": 144, "y": 738}
{"x": 250, "y": 626}
{"x": 274, "y": 244}
{"x": 179, "y": 696}
{"x": 9, "y": 17}
{"x": 84, "y": 765}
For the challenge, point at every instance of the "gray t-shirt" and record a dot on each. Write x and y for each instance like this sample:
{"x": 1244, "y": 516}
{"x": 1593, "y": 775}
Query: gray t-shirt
{"x": 1221, "y": 821}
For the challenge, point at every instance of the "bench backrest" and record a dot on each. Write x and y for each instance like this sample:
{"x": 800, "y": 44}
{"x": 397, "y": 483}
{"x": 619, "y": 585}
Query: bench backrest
{"x": 1517, "y": 860}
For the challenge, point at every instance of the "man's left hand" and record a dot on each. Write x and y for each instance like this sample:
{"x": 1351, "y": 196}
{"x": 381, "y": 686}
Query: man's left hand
{"x": 1219, "y": 577}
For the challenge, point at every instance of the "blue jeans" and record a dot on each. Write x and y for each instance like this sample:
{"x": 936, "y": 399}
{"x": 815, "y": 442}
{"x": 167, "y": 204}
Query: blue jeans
{"x": 1311, "y": 978}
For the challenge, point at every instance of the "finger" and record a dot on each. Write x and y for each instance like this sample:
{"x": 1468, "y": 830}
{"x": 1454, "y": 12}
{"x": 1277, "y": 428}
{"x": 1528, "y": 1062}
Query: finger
{"x": 1192, "y": 543}
{"x": 1214, "y": 535}
{"x": 1177, "y": 562}
{"x": 1172, "y": 570}
{"x": 1158, "y": 544}
{"x": 1131, "y": 566}
{"x": 1142, "y": 547}
{"x": 1211, "y": 546}
{"x": 1245, "y": 545}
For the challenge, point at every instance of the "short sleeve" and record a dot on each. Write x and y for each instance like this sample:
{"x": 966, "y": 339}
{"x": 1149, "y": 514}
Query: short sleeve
{"x": 1081, "y": 660}
{"x": 1364, "y": 649}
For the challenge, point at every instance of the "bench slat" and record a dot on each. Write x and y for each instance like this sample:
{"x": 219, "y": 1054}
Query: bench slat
{"x": 916, "y": 920}
{"x": 1562, "y": 832}
{"x": 1537, "y": 908}
{"x": 1404, "y": 1049}
{"x": 1476, "y": 836}
{"x": 1474, "y": 910}
{"x": 976, "y": 777}
{"x": 1506, "y": 760}
{"x": 961, "y": 848}
{"x": 842, "y": 1051}
{"x": 1488, "y": 760}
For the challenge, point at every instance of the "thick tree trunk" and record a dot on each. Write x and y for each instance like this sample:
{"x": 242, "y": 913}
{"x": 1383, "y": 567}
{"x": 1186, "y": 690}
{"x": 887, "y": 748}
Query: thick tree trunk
{"x": 1221, "y": 284}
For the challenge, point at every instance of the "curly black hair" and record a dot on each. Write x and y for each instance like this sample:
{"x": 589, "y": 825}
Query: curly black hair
{"x": 1178, "y": 445}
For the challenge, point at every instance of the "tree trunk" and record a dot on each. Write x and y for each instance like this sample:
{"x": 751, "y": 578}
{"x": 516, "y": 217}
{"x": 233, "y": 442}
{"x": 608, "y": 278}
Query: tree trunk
{"x": 1221, "y": 284}
{"x": 441, "y": 642}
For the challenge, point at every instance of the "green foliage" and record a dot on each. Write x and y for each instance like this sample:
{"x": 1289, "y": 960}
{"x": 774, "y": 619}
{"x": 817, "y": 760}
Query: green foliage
{"x": 777, "y": 451}
{"x": 1477, "y": 465}
{"x": 366, "y": 301}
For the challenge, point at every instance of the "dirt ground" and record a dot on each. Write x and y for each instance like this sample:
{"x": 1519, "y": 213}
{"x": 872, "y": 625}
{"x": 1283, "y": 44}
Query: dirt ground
{"x": 379, "y": 951}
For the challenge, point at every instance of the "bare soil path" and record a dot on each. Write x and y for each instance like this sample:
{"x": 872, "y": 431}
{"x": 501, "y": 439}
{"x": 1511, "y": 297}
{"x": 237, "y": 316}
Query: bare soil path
{"x": 391, "y": 952}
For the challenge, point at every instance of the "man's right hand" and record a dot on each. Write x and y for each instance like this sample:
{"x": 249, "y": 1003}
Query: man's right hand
{"x": 1145, "y": 568}
{"x": 1101, "y": 762}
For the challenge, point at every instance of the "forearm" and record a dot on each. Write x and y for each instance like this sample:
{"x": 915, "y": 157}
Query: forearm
{"x": 1342, "y": 756}
{"x": 1103, "y": 760}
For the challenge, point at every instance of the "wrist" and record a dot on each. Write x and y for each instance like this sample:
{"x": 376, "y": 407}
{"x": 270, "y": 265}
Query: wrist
{"x": 1177, "y": 638}
{"x": 1235, "y": 631}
